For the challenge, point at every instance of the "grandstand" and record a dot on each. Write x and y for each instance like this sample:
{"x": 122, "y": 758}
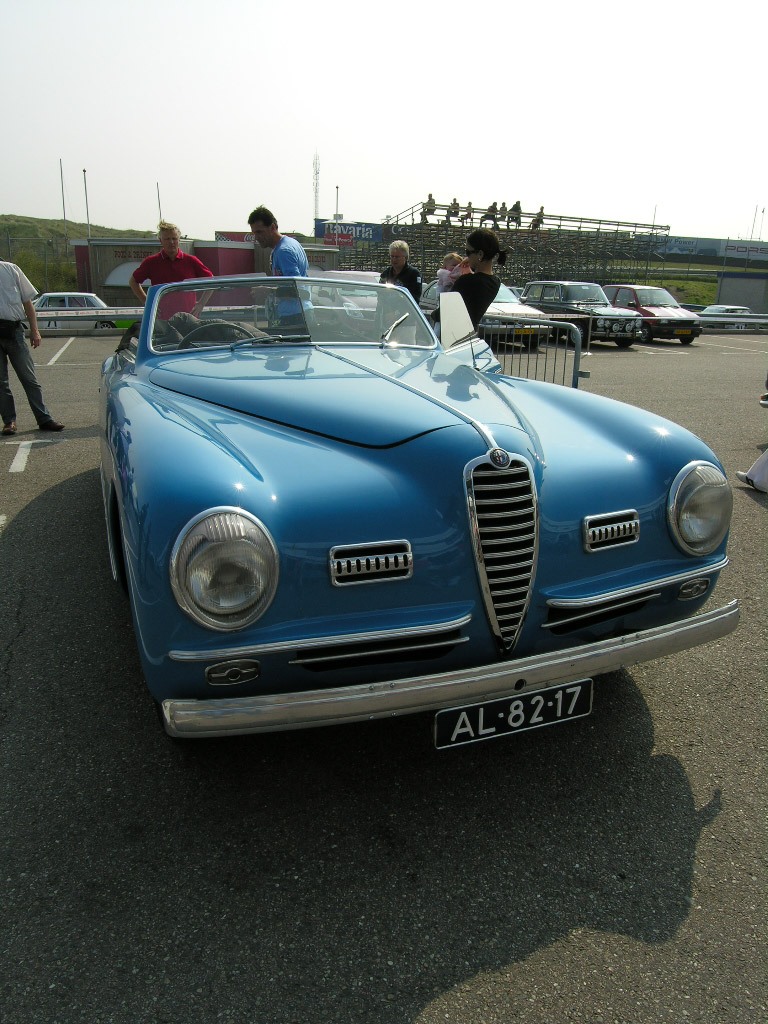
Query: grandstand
{"x": 563, "y": 248}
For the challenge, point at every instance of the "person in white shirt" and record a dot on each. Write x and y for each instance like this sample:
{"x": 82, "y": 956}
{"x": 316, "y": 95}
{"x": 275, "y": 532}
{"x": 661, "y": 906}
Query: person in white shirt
{"x": 16, "y": 295}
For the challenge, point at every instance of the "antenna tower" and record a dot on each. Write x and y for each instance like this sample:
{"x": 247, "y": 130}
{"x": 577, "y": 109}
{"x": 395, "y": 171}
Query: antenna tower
{"x": 316, "y": 180}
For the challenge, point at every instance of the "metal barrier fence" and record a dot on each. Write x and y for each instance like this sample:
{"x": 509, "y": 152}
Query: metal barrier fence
{"x": 727, "y": 323}
{"x": 545, "y": 350}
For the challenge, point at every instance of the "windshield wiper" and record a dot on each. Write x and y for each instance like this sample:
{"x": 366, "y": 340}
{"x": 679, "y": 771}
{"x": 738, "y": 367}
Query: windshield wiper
{"x": 386, "y": 334}
{"x": 268, "y": 339}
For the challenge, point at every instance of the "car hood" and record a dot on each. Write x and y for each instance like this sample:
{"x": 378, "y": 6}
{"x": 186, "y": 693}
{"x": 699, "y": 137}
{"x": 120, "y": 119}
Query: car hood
{"x": 601, "y": 309}
{"x": 668, "y": 312}
{"x": 513, "y": 309}
{"x": 371, "y": 397}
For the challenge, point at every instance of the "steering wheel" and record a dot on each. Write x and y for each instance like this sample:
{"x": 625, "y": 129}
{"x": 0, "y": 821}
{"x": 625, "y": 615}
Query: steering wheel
{"x": 213, "y": 327}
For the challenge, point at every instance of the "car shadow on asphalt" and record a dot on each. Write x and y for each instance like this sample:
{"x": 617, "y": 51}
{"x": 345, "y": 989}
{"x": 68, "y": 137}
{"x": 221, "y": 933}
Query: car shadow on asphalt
{"x": 354, "y": 871}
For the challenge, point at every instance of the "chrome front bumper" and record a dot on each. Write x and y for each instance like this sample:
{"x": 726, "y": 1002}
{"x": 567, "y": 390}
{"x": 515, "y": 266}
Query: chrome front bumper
{"x": 235, "y": 715}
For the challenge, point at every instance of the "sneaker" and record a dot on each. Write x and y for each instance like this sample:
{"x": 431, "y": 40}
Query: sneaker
{"x": 51, "y": 425}
{"x": 764, "y": 401}
{"x": 9, "y": 428}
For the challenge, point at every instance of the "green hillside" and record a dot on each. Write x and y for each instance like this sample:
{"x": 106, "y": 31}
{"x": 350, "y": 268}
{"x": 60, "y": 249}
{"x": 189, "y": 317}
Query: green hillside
{"x": 38, "y": 246}
{"x": 37, "y": 227}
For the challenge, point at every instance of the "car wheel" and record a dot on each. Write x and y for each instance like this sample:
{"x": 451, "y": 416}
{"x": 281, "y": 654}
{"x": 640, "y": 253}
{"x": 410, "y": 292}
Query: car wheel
{"x": 105, "y": 325}
{"x": 582, "y": 336}
{"x": 686, "y": 341}
{"x": 646, "y": 334}
{"x": 624, "y": 342}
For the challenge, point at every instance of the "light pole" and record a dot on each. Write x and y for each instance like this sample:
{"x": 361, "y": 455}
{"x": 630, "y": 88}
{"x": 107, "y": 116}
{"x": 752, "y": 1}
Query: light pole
{"x": 63, "y": 207}
{"x": 87, "y": 214}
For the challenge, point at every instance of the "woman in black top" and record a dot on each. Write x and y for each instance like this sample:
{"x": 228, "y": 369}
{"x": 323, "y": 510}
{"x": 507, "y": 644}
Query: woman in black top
{"x": 480, "y": 288}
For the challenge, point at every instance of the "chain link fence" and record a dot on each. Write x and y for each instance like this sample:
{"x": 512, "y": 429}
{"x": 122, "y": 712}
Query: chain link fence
{"x": 49, "y": 263}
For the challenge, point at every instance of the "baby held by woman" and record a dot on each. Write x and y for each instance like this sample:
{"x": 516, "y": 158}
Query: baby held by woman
{"x": 452, "y": 269}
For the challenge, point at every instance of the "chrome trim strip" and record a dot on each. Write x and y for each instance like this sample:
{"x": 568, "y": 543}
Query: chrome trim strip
{"x": 384, "y": 651}
{"x": 612, "y": 609}
{"x": 231, "y": 716}
{"x": 281, "y": 646}
{"x": 619, "y": 595}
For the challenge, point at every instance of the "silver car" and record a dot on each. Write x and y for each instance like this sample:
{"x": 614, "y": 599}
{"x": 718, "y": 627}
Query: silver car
{"x": 503, "y": 320}
{"x": 69, "y": 302}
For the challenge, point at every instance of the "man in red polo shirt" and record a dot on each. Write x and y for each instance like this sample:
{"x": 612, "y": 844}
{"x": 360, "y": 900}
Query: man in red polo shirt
{"x": 166, "y": 266}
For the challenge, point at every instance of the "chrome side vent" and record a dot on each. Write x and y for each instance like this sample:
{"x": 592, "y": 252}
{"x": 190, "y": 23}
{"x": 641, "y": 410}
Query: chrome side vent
{"x": 610, "y": 531}
{"x": 503, "y": 516}
{"x": 370, "y": 563}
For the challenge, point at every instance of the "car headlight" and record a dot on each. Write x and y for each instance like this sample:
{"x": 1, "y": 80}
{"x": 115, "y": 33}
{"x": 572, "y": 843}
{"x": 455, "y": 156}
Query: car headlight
{"x": 617, "y": 325}
{"x": 699, "y": 508}
{"x": 600, "y": 321}
{"x": 224, "y": 569}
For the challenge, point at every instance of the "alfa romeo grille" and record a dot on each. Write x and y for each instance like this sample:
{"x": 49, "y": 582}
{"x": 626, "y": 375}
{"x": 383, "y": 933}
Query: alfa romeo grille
{"x": 371, "y": 563}
{"x": 502, "y": 508}
{"x": 610, "y": 531}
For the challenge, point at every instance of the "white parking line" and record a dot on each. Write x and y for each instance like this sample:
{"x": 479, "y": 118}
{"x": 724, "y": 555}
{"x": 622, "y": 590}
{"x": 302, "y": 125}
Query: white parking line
{"x": 3, "y": 521}
{"x": 61, "y": 352}
{"x": 19, "y": 463}
{"x": 732, "y": 348}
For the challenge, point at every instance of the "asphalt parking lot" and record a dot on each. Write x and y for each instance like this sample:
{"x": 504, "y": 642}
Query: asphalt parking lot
{"x": 612, "y": 870}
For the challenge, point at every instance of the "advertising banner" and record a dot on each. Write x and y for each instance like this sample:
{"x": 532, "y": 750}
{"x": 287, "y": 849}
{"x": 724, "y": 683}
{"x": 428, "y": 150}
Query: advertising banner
{"x": 356, "y": 230}
{"x": 718, "y": 248}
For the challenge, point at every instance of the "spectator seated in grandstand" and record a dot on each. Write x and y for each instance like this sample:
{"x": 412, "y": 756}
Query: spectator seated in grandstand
{"x": 427, "y": 208}
{"x": 491, "y": 214}
{"x": 538, "y": 220}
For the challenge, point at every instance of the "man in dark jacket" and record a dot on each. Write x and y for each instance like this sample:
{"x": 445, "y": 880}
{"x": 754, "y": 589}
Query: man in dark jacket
{"x": 400, "y": 272}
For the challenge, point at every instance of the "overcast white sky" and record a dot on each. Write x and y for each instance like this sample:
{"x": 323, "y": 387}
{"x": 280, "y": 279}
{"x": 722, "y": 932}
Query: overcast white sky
{"x": 590, "y": 108}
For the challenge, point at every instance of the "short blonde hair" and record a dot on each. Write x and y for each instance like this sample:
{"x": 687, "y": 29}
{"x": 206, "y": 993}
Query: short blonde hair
{"x": 452, "y": 256}
{"x": 400, "y": 246}
{"x": 166, "y": 225}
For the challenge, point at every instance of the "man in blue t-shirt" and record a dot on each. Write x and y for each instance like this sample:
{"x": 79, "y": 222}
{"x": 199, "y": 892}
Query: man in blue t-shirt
{"x": 288, "y": 259}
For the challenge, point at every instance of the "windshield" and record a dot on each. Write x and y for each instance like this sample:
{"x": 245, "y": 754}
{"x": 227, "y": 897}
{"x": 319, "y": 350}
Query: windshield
{"x": 505, "y": 294}
{"x": 585, "y": 293}
{"x": 274, "y": 310}
{"x": 656, "y": 297}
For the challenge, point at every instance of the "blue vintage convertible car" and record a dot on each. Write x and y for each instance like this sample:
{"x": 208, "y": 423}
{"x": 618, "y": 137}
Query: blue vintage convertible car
{"x": 322, "y": 514}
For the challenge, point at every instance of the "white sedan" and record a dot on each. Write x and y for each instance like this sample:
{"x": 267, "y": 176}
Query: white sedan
{"x": 502, "y": 319}
{"x": 69, "y": 302}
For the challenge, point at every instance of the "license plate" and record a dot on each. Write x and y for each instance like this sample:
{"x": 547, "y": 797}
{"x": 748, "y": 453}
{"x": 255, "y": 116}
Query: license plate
{"x": 682, "y": 332}
{"x": 455, "y": 727}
